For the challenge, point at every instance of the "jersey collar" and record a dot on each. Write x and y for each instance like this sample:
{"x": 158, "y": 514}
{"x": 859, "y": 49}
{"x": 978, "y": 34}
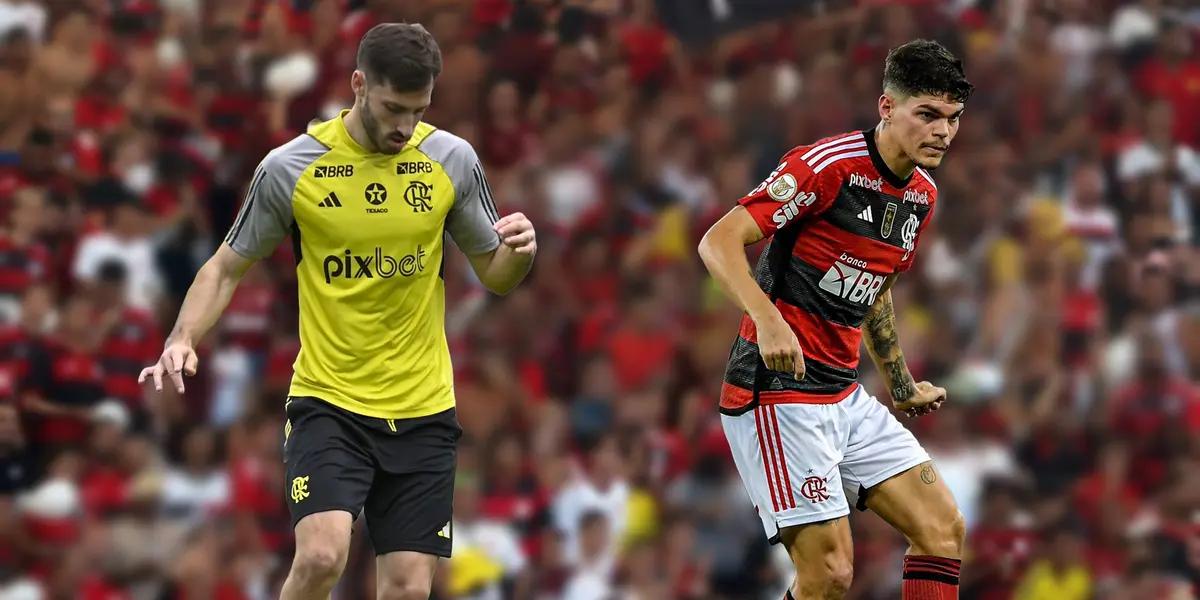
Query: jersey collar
{"x": 344, "y": 136}
{"x": 884, "y": 171}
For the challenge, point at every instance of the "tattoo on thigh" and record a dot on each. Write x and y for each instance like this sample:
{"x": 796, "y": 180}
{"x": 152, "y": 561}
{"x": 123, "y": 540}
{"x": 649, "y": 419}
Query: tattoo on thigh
{"x": 928, "y": 475}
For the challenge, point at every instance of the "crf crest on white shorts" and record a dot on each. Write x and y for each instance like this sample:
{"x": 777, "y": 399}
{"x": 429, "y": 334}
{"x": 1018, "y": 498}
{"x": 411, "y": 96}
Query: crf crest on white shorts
{"x": 806, "y": 463}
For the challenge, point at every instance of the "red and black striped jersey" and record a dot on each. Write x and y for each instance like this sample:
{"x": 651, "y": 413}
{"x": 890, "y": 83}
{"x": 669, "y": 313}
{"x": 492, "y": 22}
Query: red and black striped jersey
{"x": 21, "y": 266}
{"x": 840, "y": 223}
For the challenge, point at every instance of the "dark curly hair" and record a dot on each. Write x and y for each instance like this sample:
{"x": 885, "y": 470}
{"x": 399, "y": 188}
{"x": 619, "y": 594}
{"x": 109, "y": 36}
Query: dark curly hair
{"x": 925, "y": 67}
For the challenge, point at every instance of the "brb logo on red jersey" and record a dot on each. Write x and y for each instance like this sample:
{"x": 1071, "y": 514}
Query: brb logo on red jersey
{"x": 852, "y": 283}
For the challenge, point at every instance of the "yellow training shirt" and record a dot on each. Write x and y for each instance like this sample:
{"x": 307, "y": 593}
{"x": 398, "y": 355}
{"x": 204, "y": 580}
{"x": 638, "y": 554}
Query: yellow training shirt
{"x": 368, "y": 231}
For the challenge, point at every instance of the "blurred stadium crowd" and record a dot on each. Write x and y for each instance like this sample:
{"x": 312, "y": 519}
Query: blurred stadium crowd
{"x": 1056, "y": 294}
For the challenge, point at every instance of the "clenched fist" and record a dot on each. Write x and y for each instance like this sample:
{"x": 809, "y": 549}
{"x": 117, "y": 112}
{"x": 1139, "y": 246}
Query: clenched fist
{"x": 516, "y": 231}
{"x": 779, "y": 347}
{"x": 928, "y": 398}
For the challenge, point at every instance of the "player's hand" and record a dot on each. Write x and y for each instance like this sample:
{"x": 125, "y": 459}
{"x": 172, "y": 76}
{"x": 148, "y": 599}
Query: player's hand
{"x": 177, "y": 360}
{"x": 928, "y": 399}
{"x": 779, "y": 347}
{"x": 517, "y": 233}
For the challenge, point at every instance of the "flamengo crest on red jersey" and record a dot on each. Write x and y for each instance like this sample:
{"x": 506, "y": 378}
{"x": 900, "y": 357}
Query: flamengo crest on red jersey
{"x": 908, "y": 235}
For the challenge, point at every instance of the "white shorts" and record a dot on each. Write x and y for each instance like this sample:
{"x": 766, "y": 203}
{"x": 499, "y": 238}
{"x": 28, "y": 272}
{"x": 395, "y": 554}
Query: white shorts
{"x": 805, "y": 463}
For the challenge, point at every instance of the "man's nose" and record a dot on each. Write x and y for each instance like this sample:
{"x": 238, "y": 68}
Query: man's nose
{"x": 406, "y": 126}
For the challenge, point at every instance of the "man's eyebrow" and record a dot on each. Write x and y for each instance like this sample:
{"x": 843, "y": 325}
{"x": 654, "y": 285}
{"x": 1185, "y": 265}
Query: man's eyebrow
{"x": 934, "y": 109}
{"x": 397, "y": 106}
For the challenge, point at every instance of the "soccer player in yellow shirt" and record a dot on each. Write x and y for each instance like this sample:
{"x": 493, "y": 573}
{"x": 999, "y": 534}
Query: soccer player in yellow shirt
{"x": 367, "y": 198}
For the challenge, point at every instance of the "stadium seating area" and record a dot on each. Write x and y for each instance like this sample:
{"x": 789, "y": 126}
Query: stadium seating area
{"x": 1056, "y": 296}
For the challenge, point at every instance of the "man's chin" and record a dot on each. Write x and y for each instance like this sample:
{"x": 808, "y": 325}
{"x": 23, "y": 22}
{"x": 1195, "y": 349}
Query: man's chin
{"x": 387, "y": 150}
{"x": 387, "y": 146}
{"x": 928, "y": 162}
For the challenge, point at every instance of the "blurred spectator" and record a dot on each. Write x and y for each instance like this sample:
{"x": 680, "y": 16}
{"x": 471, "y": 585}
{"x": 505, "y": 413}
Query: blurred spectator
{"x": 16, "y": 469}
{"x": 1062, "y": 571}
{"x": 488, "y": 562}
{"x": 195, "y": 486}
{"x": 598, "y": 491}
{"x": 126, "y": 242}
{"x": 144, "y": 544}
{"x": 594, "y": 565}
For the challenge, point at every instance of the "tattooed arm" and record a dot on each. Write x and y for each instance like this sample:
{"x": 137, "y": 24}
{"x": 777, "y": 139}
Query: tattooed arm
{"x": 879, "y": 332}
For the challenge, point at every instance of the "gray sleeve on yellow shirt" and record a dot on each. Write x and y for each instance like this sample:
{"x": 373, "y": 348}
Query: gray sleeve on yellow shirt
{"x": 474, "y": 213}
{"x": 265, "y": 218}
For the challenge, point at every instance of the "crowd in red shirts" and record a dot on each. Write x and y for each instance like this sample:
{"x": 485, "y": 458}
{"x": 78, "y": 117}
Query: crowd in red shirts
{"x": 1056, "y": 295}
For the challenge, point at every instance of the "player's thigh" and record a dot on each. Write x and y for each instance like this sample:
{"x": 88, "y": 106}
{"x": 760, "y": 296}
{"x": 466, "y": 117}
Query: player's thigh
{"x": 880, "y": 447}
{"x": 887, "y": 471}
{"x": 411, "y": 503}
{"x": 920, "y": 506}
{"x": 323, "y": 542}
{"x": 328, "y": 466}
{"x": 788, "y": 456}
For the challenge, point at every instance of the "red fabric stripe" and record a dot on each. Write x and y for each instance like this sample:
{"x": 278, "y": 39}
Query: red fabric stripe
{"x": 833, "y": 344}
{"x": 787, "y": 479}
{"x": 931, "y": 569}
{"x": 734, "y": 398}
{"x": 919, "y": 589}
{"x": 747, "y": 330}
{"x": 951, "y": 562}
{"x": 933, "y": 561}
{"x": 762, "y": 447}
{"x": 823, "y": 243}
{"x": 810, "y": 330}
{"x": 776, "y": 460}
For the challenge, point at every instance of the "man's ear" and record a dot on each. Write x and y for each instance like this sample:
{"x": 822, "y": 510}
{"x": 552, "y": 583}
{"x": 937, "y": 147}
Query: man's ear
{"x": 886, "y": 105}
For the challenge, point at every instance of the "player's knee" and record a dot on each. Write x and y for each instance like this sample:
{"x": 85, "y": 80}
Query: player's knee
{"x": 942, "y": 536}
{"x": 839, "y": 576}
{"x": 404, "y": 588}
{"x": 319, "y": 562}
{"x": 829, "y": 580}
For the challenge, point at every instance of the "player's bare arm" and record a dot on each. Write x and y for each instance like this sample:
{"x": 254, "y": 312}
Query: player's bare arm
{"x": 723, "y": 250}
{"x": 503, "y": 268}
{"x": 263, "y": 221}
{"x": 206, "y": 299}
{"x": 883, "y": 343}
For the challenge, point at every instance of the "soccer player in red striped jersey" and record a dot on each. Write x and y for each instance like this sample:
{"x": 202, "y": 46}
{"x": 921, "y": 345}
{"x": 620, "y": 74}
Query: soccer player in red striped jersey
{"x": 845, "y": 216}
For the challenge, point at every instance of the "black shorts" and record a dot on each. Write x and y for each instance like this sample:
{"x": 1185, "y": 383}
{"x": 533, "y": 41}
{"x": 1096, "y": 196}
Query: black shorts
{"x": 398, "y": 473}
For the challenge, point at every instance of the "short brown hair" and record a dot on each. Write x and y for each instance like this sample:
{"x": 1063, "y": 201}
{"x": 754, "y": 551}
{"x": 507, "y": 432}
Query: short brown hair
{"x": 401, "y": 55}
